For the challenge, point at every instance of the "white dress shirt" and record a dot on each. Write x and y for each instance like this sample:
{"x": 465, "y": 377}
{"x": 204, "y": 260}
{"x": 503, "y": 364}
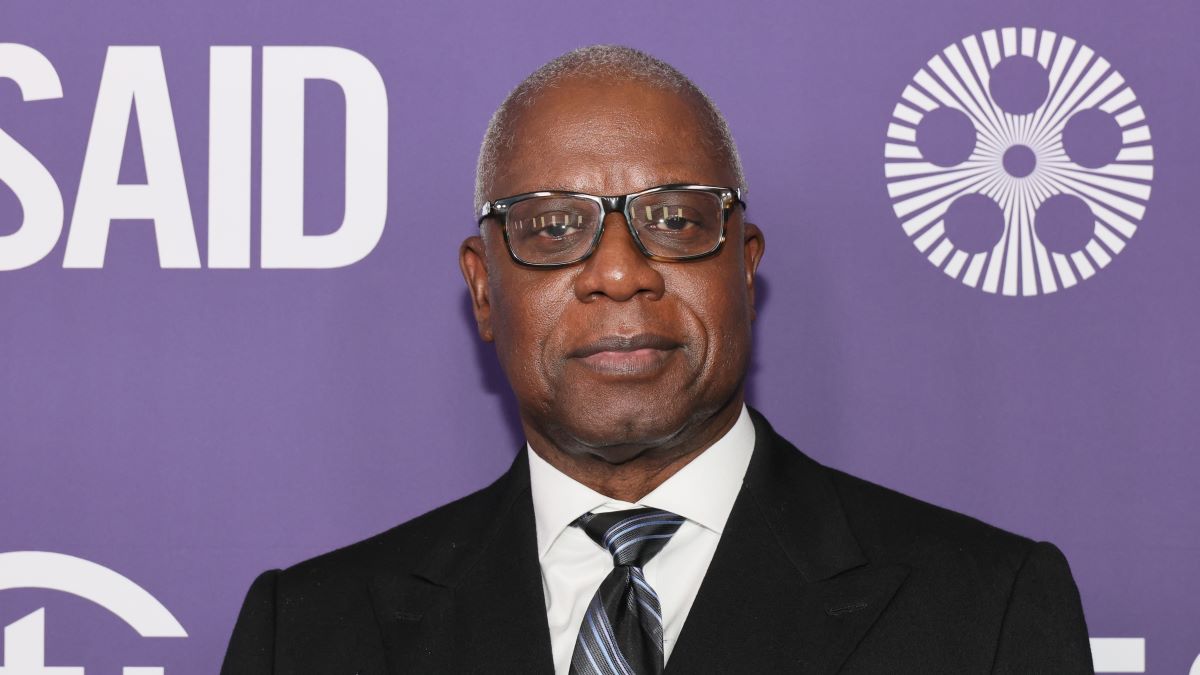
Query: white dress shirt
{"x": 573, "y": 565}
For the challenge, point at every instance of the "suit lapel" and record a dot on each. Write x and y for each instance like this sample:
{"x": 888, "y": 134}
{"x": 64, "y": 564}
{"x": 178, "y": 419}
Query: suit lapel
{"x": 474, "y": 606}
{"x": 789, "y": 589}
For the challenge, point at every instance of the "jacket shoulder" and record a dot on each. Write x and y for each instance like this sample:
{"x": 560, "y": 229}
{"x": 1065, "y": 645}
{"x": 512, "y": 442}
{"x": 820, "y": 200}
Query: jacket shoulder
{"x": 889, "y": 527}
{"x": 454, "y": 525}
{"x": 1008, "y": 603}
{"x": 895, "y": 527}
{"x": 320, "y": 615}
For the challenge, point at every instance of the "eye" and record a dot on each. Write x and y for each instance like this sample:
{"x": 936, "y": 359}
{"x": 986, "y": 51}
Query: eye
{"x": 669, "y": 219}
{"x": 548, "y": 225}
{"x": 557, "y": 225}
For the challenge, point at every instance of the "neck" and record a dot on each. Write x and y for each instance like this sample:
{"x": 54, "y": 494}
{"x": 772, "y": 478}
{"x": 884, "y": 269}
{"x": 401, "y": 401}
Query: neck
{"x": 647, "y": 466}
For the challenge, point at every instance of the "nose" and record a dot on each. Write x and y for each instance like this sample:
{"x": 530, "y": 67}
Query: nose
{"x": 617, "y": 269}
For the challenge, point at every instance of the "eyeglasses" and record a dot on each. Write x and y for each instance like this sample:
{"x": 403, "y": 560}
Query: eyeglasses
{"x": 670, "y": 222}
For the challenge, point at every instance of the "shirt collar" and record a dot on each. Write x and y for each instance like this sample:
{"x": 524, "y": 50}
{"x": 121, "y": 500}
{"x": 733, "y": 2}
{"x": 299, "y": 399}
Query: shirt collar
{"x": 703, "y": 491}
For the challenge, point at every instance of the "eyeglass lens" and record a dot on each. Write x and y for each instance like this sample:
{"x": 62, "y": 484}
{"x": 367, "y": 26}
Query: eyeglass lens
{"x": 670, "y": 224}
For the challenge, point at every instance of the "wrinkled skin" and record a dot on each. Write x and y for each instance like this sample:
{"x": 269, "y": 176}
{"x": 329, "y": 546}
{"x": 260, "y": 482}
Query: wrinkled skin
{"x": 623, "y": 425}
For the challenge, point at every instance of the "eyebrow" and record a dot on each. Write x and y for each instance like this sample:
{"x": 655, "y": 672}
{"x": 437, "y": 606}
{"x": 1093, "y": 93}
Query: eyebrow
{"x": 559, "y": 187}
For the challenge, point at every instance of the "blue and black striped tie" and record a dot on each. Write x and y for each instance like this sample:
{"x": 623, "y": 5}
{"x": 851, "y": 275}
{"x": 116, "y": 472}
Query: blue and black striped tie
{"x": 622, "y": 631}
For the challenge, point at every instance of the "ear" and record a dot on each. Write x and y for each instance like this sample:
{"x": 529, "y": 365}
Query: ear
{"x": 473, "y": 263}
{"x": 753, "y": 247}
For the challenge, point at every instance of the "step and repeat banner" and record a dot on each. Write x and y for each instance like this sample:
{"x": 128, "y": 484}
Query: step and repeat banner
{"x": 234, "y": 335}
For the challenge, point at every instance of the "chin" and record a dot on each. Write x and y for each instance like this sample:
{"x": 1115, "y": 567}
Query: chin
{"x": 621, "y": 430}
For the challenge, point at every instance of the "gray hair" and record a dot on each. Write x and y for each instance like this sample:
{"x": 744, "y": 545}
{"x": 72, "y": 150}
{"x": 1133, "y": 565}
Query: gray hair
{"x": 604, "y": 61}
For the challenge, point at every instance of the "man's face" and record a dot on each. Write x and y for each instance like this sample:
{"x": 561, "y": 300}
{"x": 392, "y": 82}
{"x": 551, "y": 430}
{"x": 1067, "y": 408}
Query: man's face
{"x": 619, "y": 353}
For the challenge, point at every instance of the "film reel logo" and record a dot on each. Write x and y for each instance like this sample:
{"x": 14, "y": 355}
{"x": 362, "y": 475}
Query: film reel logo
{"x": 1018, "y": 161}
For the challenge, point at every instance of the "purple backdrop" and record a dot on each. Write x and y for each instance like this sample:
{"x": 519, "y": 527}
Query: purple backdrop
{"x": 190, "y": 428}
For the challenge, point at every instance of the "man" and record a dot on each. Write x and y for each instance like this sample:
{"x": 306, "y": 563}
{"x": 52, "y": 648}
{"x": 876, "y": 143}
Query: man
{"x": 653, "y": 521}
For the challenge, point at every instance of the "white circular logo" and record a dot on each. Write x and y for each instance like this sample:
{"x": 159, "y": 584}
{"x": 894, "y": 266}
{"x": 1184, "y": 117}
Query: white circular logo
{"x": 24, "y": 641}
{"x": 1018, "y": 161}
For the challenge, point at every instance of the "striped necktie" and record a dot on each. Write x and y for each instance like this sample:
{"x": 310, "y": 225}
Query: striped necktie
{"x": 622, "y": 631}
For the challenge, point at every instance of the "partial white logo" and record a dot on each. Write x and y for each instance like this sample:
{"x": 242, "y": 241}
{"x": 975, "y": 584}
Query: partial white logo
{"x": 1018, "y": 161}
{"x": 25, "y": 639}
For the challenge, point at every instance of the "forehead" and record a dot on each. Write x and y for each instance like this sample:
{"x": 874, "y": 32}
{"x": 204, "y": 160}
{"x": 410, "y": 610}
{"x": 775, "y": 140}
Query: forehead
{"x": 607, "y": 137}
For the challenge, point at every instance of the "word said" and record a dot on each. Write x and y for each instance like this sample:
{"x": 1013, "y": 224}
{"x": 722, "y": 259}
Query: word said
{"x": 134, "y": 85}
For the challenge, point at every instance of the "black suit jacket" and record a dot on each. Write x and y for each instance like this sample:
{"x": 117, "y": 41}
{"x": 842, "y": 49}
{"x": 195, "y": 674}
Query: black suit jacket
{"x": 816, "y": 572}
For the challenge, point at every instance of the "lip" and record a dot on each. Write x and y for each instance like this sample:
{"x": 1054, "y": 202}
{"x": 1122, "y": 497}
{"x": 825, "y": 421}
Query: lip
{"x": 626, "y": 355}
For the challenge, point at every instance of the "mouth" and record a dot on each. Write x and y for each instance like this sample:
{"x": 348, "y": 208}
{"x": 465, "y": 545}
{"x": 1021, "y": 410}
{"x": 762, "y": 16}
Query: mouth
{"x": 626, "y": 355}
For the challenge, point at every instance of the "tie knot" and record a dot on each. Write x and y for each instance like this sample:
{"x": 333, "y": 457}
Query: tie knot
{"x": 632, "y": 536}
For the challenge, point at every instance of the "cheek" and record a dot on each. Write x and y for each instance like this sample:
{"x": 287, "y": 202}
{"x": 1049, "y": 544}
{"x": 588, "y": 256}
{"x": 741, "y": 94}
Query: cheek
{"x": 715, "y": 310}
{"x": 526, "y": 309}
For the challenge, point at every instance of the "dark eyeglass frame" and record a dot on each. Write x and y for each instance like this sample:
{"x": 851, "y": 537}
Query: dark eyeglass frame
{"x": 499, "y": 209}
